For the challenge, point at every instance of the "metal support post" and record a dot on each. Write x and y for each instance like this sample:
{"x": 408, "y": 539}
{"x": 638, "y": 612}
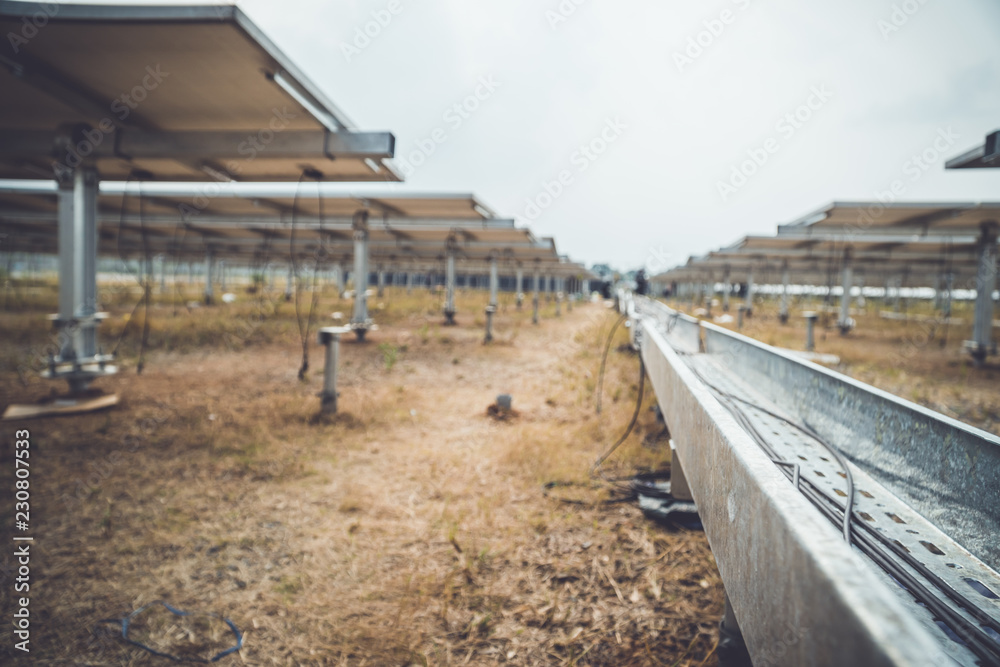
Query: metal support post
{"x": 338, "y": 278}
{"x": 534, "y": 298}
{"x": 360, "y": 323}
{"x": 449, "y": 287}
{"x": 290, "y": 283}
{"x": 381, "y": 281}
{"x": 949, "y": 283}
{"x": 982, "y": 343}
{"x": 811, "y": 318}
{"x": 902, "y": 281}
{"x": 783, "y": 311}
{"x": 209, "y": 277}
{"x": 79, "y": 361}
{"x": 329, "y": 337}
{"x": 559, "y": 297}
{"x": 845, "y": 323}
{"x": 494, "y": 299}
{"x": 149, "y": 272}
{"x": 749, "y": 296}
{"x": 726, "y": 288}
{"x": 517, "y": 289}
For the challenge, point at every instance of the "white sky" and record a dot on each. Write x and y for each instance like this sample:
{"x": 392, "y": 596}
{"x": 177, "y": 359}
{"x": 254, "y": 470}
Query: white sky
{"x": 652, "y": 197}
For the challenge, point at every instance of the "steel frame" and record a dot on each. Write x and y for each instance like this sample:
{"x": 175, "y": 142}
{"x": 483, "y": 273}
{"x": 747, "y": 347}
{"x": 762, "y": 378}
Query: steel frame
{"x": 784, "y": 565}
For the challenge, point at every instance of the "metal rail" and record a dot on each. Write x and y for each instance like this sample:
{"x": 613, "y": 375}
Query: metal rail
{"x": 775, "y": 448}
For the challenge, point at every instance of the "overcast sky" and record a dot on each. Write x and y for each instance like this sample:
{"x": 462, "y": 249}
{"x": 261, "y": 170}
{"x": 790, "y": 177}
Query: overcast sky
{"x": 635, "y": 114}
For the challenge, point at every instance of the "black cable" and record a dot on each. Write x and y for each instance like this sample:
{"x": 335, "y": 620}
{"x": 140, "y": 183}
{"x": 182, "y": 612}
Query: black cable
{"x": 604, "y": 360}
{"x": 979, "y": 642}
{"x": 125, "y": 624}
{"x": 320, "y": 252}
{"x": 147, "y": 286}
{"x": 628, "y": 430}
{"x": 627, "y": 496}
{"x": 625, "y": 492}
{"x": 121, "y": 227}
{"x": 806, "y": 429}
{"x": 303, "y": 335}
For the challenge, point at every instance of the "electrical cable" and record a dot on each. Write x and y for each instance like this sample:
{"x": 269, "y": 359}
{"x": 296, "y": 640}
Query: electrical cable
{"x": 628, "y": 430}
{"x": 126, "y": 622}
{"x": 118, "y": 244}
{"x": 984, "y": 646}
{"x": 806, "y": 429}
{"x": 121, "y": 256}
{"x": 320, "y": 253}
{"x": 303, "y": 331}
{"x": 623, "y": 492}
{"x": 604, "y": 360}
{"x": 147, "y": 286}
{"x": 976, "y": 639}
{"x": 868, "y": 540}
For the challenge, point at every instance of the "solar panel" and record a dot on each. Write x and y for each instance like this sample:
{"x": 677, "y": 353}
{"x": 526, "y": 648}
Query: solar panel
{"x": 856, "y": 219}
{"x": 178, "y": 92}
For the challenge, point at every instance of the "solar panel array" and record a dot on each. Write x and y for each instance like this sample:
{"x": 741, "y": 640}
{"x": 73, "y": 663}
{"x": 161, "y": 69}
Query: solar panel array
{"x": 172, "y": 93}
{"x": 918, "y": 243}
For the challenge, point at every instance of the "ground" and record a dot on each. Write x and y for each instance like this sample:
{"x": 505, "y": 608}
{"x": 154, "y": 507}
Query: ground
{"x": 411, "y": 528}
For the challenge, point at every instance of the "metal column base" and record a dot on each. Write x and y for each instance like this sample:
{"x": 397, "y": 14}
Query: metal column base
{"x": 329, "y": 337}
{"x": 362, "y": 328}
{"x": 669, "y": 501}
{"x": 978, "y": 352}
{"x": 67, "y": 404}
{"x": 449, "y": 318}
{"x": 660, "y": 506}
{"x": 79, "y": 372}
{"x": 490, "y": 310}
{"x": 732, "y": 649}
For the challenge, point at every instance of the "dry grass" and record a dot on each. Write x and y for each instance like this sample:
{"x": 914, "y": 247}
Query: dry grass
{"x": 920, "y": 362}
{"x": 408, "y": 529}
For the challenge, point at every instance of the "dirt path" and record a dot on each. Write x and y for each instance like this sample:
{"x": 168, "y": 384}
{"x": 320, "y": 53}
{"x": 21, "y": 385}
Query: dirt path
{"x": 410, "y": 529}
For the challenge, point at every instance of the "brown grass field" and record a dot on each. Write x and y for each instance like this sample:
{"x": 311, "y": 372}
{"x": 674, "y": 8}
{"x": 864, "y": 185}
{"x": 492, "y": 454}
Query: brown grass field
{"x": 410, "y": 529}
